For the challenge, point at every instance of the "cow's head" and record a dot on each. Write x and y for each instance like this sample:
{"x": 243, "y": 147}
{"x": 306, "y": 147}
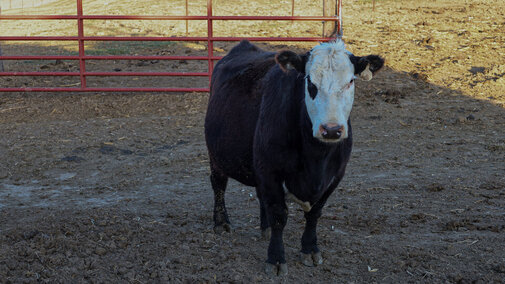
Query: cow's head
{"x": 330, "y": 71}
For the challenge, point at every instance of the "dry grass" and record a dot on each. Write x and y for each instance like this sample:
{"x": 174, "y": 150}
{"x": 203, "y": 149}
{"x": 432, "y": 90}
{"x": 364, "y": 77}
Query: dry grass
{"x": 22, "y": 4}
{"x": 436, "y": 41}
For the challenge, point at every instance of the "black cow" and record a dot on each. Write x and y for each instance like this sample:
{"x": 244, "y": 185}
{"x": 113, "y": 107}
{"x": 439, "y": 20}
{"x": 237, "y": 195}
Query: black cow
{"x": 280, "y": 122}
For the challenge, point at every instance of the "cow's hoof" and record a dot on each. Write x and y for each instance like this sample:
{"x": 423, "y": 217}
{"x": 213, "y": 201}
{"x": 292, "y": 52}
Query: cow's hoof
{"x": 306, "y": 259}
{"x": 317, "y": 258}
{"x": 312, "y": 259}
{"x": 283, "y": 269}
{"x": 276, "y": 269}
{"x": 225, "y": 227}
{"x": 266, "y": 233}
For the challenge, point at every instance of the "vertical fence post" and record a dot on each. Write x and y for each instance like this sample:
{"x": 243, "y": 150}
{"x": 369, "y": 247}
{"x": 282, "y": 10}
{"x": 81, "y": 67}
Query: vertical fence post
{"x": 186, "y": 16}
{"x": 80, "y": 35}
{"x": 292, "y": 9}
{"x": 324, "y": 15}
{"x": 338, "y": 23}
{"x": 1, "y": 61}
{"x": 210, "y": 43}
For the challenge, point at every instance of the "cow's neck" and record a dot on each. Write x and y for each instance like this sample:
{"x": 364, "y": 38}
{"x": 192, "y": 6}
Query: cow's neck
{"x": 321, "y": 161}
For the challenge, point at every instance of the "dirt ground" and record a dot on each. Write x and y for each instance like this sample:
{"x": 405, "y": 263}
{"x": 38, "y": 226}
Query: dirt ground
{"x": 114, "y": 187}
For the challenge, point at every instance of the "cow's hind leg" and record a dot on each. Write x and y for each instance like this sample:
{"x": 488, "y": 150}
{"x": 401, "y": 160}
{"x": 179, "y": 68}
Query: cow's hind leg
{"x": 221, "y": 221}
{"x": 264, "y": 226}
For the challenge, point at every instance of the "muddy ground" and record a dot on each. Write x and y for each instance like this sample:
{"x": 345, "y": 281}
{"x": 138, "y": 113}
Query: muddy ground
{"x": 114, "y": 187}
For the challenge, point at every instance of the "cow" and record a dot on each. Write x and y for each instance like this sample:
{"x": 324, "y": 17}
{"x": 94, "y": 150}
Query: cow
{"x": 280, "y": 122}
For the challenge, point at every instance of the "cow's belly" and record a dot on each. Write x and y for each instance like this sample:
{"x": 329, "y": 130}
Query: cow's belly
{"x": 229, "y": 129}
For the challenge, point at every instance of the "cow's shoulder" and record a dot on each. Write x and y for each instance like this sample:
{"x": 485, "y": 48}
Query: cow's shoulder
{"x": 278, "y": 136}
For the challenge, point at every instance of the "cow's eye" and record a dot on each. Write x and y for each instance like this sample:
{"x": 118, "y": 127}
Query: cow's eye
{"x": 352, "y": 81}
{"x": 312, "y": 88}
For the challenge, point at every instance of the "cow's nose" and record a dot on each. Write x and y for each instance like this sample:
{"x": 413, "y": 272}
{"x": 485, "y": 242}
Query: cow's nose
{"x": 331, "y": 130}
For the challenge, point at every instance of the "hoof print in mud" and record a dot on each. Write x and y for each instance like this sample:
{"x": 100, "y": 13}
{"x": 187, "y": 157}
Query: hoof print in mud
{"x": 280, "y": 269}
{"x": 219, "y": 229}
{"x": 311, "y": 259}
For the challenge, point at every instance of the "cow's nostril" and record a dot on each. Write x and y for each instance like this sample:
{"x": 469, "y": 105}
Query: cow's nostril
{"x": 331, "y": 131}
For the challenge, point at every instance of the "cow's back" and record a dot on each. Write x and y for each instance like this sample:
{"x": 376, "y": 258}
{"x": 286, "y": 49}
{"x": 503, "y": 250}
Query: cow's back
{"x": 233, "y": 110}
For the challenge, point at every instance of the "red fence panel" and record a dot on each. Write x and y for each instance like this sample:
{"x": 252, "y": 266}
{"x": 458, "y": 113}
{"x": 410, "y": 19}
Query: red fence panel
{"x": 82, "y": 57}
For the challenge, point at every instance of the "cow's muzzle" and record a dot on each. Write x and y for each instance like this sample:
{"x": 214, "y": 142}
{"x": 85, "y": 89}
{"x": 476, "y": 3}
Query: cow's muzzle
{"x": 331, "y": 131}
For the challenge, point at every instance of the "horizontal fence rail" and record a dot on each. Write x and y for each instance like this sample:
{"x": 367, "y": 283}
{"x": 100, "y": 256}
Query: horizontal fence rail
{"x": 81, "y": 58}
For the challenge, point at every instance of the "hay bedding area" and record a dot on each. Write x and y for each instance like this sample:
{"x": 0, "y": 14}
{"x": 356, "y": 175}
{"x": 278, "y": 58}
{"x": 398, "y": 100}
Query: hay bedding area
{"x": 114, "y": 187}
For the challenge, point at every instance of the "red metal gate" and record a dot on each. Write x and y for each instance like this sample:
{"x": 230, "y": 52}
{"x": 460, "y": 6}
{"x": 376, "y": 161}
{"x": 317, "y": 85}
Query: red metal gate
{"x": 82, "y": 57}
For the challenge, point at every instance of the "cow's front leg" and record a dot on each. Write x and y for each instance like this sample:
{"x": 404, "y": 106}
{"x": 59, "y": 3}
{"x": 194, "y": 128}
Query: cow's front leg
{"x": 311, "y": 256}
{"x": 277, "y": 215}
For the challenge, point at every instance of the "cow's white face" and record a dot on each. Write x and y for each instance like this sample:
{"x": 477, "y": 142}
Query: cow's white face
{"x": 329, "y": 91}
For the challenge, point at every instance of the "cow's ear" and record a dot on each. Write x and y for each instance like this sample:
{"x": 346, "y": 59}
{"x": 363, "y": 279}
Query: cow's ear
{"x": 288, "y": 60}
{"x": 366, "y": 66}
